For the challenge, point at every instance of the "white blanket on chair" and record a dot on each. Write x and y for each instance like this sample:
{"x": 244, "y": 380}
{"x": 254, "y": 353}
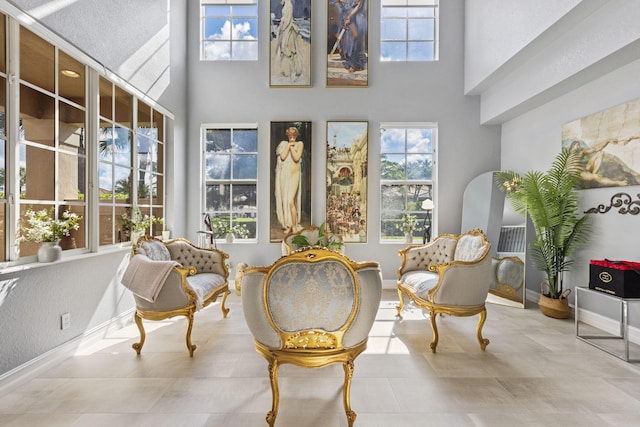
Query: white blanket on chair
{"x": 145, "y": 277}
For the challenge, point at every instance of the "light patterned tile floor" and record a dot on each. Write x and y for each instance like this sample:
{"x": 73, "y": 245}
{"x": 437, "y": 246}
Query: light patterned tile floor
{"x": 533, "y": 373}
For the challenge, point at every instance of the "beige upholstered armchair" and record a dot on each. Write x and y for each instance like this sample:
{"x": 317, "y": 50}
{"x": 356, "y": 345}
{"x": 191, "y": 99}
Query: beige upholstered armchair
{"x": 312, "y": 308}
{"x": 174, "y": 278}
{"x": 312, "y": 233}
{"x": 450, "y": 275}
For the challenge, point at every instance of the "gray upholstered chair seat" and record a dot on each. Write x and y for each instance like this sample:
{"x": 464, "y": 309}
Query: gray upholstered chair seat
{"x": 197, "y": 278}
{"x": 311, "y": 308}
{"x": 450, "y": 275}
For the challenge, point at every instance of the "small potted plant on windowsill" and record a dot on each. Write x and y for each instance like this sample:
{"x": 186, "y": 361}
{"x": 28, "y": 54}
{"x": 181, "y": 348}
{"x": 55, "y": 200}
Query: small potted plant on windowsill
{"x": 136, "y": 224}
{"x": 41, "y": 227}
{"x": 407, "y": 225}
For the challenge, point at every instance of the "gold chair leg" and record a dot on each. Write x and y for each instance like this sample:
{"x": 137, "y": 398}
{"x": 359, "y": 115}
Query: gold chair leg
{"x": 275, "y": 393}
{"x": 434, "y": 329}
{"x": 348, "y": 375}
{"x": 190, "y": 347}
{"x": 400, "y": 306}
{"x": 138, "y": 346}
{"x": 483, "y": 341}
{"x": 224, "y": 309}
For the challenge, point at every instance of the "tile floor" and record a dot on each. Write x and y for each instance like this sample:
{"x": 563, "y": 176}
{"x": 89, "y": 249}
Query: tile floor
{"x": 534, "y": 373}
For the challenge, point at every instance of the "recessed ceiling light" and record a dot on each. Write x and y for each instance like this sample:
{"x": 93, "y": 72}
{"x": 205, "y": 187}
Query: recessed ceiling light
{"x": 70, "y": 73}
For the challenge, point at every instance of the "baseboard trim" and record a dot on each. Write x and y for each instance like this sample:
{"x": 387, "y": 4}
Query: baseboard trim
{"x": 34, "y": 366}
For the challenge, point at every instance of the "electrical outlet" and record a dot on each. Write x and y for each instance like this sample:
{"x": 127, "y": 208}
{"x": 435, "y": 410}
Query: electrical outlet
{"x": 65, "y": 321}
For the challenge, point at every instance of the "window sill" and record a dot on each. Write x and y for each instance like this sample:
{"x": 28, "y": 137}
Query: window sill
{"x": 31, "y": 262}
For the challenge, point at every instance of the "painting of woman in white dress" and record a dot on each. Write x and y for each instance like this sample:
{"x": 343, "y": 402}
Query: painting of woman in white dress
{"x": 290, "y": 44}
{"x": 291, "y": 166}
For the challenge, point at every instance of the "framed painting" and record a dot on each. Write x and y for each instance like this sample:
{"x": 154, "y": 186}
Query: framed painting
{"x": 609, "y": 145}
{"x": 347, "y": 172}
{"x": 347, "y": 43}
{"x": 290, "y": 178}
{"x": 290, "y": 43}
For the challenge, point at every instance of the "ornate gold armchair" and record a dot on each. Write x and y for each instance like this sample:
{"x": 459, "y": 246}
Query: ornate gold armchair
{"x": 312, "y": 308}
{"x": 174, "y": 278}
{"x": 451, "y": 275}
{"x": 312, "y": 233}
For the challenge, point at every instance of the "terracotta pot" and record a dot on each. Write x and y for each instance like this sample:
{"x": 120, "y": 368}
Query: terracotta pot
{"x": 557, "y": 308}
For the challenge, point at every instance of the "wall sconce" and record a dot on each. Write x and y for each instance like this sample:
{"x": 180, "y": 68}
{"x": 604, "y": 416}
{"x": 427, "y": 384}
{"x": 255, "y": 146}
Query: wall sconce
{"x": 427, "y": 205}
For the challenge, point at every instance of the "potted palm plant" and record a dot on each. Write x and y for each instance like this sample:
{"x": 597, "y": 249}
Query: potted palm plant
{"x": 551, "y": 201}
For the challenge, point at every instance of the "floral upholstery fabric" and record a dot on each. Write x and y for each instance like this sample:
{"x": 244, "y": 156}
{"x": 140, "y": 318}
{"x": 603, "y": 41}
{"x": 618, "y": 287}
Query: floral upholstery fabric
{"x": 469, "y": 248}
{"x": 155, "y": 250}
{"x": 311, "y": 296}
{"x": 203, "y": 284}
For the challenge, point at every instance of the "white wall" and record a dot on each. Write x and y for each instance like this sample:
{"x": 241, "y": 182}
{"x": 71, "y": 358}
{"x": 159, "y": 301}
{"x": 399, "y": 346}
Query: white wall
{"x": 144, "y": 41}
{"x": 583, "y": 57}
{"x": 223, "y": 92}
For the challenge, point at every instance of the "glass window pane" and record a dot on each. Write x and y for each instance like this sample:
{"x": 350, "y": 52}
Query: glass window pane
{"x": 420, "y": 51}
{"x": 71, "y": 79}
{"x": 39, "y": 173}
{"x": 218, "y": 166}
{"x": 393, "y": 51}
{"x": 218, "y": 197}
{"x": 2, "y": 170}
{"x": 217, "y": 29}
{"x": 159, "y": 160}
{"x": 218, "y": 140}
{"x": 245, "y": 29}
{"x": 158, "y": 125}
{"x": 3, "y": 99}
{"x": 419, "y": 141}
{"x": 71, "y": 176}
{"x": 245, "y": 166}
{"x": 245, "y": 10}
{"x": 421, "y": 12}
{"x": 217, "y": 51}
{"x": 37, "y": 114}
{"x": 3, "y": 69}
{"x": 122, "y": 146}
{"x": 105, "y": 177}
{"x": 398, "y": 12}
{"x": 392, "y": 166}
{"x": 419, "y": 166}
{"x": 157, "y": 189}
{"x": 37, "y": 60}
{"x": 122, "y": 183}
{"x": 71, "y": 129}
{"x": 106, "y": 98}
{"x": 244, "y": 199}
{"x": 124, "y": 107}
{"x": 392, "y": 140}
{"x": 217, "y": 10}
{"x": 245, "y": 140}
{"x": 393, "y": 29}
{"x": 244, "y": 51}
{"x": 393, "y": 198}
{"x": 144, "y": 115}
{"x": 420, "y": 29}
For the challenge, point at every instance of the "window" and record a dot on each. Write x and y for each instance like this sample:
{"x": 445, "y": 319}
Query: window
{"x": 53, "y": 145}
{"x": 51, "y": 132}
{"x": 229, "y": 30}
{"x": 407, "y": 160}
{"x": 127, "y": 175}
{"x": 409, "y": 30}
{"x": 230, "y": 156}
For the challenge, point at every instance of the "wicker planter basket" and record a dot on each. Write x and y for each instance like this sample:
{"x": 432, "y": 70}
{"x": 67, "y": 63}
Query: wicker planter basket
{"x": 557, "y": 308}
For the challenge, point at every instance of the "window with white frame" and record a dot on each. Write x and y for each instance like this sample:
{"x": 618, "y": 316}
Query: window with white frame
{"x": 407, "y": 162}
{"x": 230, "y": 165}
{"x": 229, "y": 30}
{"x": 409, "y": 30}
